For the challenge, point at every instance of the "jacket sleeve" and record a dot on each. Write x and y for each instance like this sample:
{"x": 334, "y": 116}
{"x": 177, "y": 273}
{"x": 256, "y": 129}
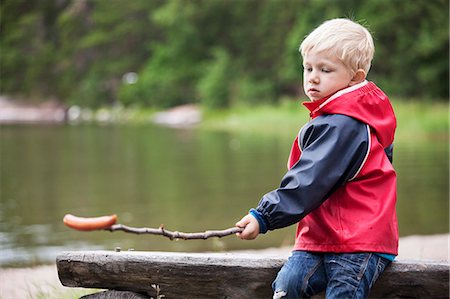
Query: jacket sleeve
{"x": 333, "y": 150}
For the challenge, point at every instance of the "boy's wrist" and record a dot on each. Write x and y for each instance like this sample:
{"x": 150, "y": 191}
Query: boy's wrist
{"x": 260, "y": 219}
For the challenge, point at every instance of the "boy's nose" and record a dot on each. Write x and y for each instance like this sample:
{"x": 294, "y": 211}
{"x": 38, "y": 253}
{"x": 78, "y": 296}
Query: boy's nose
{"x": 313, "y": 78}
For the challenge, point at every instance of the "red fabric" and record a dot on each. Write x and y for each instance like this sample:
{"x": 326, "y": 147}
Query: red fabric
{"x": 360, "y": 216}
{"x": 295, "y": 153}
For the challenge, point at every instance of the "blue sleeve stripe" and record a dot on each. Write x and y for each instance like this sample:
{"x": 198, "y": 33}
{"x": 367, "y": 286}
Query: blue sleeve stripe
{"x": 259, "y": 217}
{"x": 387, "y": 256}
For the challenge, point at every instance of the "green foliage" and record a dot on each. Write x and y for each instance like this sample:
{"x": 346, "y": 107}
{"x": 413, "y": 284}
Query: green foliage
{"x": 413, "y": 45}
{"x": 252, "y": 91}
{"x": 219, "y": 53}
{"x": 28, "y": 42}
{"x": 101, "y": 41}
{"x": 215, "y": 84}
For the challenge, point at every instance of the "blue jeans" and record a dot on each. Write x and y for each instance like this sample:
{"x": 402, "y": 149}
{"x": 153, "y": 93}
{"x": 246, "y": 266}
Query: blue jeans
{"x": 344, "y": 275}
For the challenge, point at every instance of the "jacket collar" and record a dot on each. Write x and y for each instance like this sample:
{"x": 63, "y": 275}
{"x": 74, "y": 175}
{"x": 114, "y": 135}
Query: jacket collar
{"x": 315, "y": 106}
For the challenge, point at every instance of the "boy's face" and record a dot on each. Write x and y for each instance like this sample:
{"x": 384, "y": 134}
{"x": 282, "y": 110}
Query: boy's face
{"x": 323, "y": 75}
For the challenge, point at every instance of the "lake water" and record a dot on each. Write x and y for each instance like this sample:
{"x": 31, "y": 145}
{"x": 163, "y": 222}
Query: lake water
{"x": 188, "y": 180}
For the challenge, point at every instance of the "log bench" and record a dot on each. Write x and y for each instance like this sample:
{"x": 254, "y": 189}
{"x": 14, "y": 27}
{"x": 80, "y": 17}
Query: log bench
{"x": 134, "y": 274}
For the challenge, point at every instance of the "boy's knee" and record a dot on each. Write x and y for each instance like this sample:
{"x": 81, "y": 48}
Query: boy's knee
{"x": 301, "y": 276}
{"x": 288, "y": 283}
{"x": 279, "y": 294}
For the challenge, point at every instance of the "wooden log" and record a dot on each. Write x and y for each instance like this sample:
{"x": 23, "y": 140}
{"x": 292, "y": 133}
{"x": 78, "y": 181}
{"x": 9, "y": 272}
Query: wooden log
{"x": 224, "y": 275}
{"x": 113, "y": 294}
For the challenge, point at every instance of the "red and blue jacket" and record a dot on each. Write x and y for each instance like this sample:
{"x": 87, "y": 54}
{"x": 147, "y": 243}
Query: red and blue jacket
{"x": 340, "y": 186}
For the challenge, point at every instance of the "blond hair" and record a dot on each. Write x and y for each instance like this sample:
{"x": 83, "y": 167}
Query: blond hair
{"x": 349, "y": 41}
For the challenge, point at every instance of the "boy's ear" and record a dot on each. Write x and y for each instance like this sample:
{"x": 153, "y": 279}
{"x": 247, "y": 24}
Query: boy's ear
{"x": 358, "y": 77}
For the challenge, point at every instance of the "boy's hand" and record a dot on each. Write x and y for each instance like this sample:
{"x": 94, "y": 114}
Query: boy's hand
{"x": 251, "y": 227}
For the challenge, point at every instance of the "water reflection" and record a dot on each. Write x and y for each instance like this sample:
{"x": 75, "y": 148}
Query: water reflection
{"x": 186, "y": 180}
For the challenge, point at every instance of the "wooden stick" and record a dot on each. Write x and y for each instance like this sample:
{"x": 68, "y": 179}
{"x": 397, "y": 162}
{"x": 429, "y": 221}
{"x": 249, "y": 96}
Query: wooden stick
{"x": 175, "y": 234}
{"x": 109, "y": 223}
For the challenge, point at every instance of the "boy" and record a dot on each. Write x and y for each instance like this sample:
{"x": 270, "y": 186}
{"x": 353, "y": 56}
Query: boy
{"x": 340, "y": 187}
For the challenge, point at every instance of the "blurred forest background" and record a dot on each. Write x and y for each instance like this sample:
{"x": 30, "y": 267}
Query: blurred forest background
{"x": 217, "y": 53}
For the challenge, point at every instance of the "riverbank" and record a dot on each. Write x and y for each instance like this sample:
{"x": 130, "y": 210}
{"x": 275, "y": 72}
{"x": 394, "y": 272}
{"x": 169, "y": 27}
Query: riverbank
{"x": 416, "y": 119}
{"x": 43, "y": 282}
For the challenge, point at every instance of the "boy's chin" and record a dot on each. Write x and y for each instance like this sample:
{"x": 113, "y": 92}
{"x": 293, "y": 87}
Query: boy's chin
{"x": 314, "y": 98}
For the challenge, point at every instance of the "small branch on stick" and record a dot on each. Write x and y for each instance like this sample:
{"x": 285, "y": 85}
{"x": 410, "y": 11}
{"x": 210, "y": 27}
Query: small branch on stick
{"x": 175, "y": 234}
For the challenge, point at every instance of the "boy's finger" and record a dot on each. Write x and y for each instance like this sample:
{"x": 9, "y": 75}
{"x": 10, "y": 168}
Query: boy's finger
{"x": 242, "y": 223}
{"x": 245, "y": 235}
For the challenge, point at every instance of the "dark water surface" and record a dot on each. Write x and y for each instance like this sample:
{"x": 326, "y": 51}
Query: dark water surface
{"x": 188, "y": 180}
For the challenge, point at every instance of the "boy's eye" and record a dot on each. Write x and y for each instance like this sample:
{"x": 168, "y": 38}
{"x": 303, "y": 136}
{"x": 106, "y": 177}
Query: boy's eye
{"x": 325, "y": 70}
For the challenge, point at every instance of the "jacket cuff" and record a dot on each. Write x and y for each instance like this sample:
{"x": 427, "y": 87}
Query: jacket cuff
{"x": 261, "y": 221}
